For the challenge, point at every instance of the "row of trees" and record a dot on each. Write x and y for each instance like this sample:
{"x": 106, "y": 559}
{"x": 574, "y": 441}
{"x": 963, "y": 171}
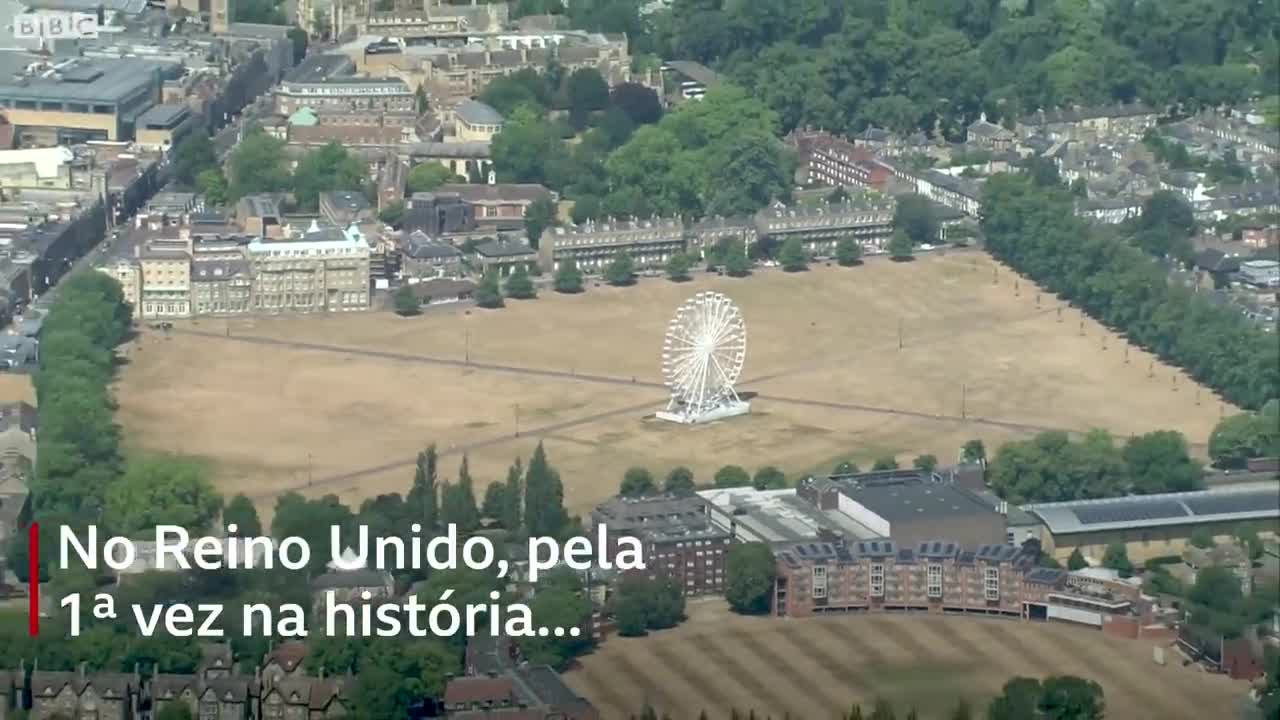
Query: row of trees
{"x": 940, "y": 63}
{"x": 639, "y": 482}
{"x": 1029, "y": 224}
{"x": 1051, "y": 467}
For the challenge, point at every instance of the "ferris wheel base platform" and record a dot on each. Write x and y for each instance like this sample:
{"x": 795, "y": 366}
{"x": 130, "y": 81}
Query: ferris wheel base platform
{"x": 721, "y": 412}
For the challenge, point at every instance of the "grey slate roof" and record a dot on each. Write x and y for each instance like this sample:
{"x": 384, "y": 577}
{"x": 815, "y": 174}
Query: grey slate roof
{"x": 163, "y": 115}
{"x": 474, "y": 112}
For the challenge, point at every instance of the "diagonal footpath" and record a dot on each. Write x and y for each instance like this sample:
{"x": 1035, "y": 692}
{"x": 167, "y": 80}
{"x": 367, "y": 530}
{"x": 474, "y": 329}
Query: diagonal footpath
{"x": 455, "y": 450}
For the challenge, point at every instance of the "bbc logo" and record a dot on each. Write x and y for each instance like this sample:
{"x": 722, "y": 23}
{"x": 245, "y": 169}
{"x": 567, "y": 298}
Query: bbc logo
{"x": 55, "y": 25}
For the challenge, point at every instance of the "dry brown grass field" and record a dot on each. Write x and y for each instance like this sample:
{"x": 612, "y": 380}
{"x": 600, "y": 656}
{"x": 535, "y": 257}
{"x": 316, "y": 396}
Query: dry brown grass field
{"x": 815, "y": 668}
{"x": 343, "y": 403}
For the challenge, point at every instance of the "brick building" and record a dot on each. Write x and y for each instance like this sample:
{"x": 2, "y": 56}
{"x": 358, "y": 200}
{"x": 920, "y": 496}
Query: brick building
{"x": 934, "y": 576}
{"x": 679, "y": 539}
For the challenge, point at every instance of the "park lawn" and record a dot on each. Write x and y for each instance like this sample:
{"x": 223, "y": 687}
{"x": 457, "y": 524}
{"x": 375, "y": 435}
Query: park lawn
{"x": 902, "y": 358}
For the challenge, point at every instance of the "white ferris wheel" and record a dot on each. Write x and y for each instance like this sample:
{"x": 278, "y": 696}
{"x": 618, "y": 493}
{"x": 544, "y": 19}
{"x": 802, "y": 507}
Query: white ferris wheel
{"x": 702, "y": 357}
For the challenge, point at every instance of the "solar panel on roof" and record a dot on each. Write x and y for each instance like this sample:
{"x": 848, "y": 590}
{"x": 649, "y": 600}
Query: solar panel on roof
{"x": 1129, "y": 512}
{"x": 1243, "y": 502}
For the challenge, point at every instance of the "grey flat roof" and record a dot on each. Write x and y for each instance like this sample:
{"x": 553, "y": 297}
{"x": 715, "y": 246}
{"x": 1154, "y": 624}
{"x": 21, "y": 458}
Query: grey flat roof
{"x": 1245, "y": 501}
{"x": 917, "y": 501}
{"x": 475, "y": 112}
{"x": 469, "y": 149}
{"x": 320, "y": 67}
{"x": 89, "y": 81}
{"x": 695, "y": 71}
{"x": 163, "y": 115}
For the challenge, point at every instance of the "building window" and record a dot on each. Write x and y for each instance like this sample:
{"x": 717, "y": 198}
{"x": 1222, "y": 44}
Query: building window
{"x": 991, "y": 583}
{"x": 819, "y": 581}
{"x": 934, "y": 581}
{"x": 877, "y": 580}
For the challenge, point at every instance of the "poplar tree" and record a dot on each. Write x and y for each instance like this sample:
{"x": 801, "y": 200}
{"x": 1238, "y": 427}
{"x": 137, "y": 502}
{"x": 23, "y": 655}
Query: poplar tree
{"x": 543, "y": 497}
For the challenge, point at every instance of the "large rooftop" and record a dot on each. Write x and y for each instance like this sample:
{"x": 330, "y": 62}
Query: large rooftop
{"x": 1229, "y": 503}
{"x": 779, "y": 516}
{"x": 914, "y": 500}
{"x": 87, "y": 81}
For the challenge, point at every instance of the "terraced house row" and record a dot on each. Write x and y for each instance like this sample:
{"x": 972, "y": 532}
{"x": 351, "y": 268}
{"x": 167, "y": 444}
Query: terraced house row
{"x": 936, "y": 576}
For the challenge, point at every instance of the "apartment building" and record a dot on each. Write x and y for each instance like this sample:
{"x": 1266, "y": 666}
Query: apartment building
{"x": 327, "y": 270}
{"x": 934, "y": 576}
{"x": 164, "y": 266}
{"x": 594, "y": 245}
{"x": 677, "y": 536}
{"x": 821, "y": 227}
{"x": 326, "y": 82}
{"x": 221, "y": 281}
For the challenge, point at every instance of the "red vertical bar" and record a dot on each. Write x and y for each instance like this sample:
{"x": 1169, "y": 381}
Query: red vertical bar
{"x": 33, "y": 579}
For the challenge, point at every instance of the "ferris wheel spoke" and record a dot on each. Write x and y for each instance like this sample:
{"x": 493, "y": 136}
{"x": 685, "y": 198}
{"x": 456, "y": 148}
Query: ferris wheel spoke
{"x": 703, "y": 353}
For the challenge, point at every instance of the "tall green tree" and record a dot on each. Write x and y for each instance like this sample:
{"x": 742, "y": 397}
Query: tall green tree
{"x": 258, "y": 165}
{"x": 568, "y": 278}
{"x": 621, "y": 270}
{"x": 513, "y": 498}
{"x": 848, "y": 252}
{"x": 914, "y": 215}
{"x": 487, "y": 294}
{"x": 1116, "y": 558}
{"x": 157, "y": 490}
{"x": 544, "y": 497}
{"x": 637, "y": 482}
{"x": 458, "y": 501}
{"x": 678, "y": 266}
{"x": 1238, "y": 438}
{"x": 769, "y": 478}
{"x": 540, "y": 215}
{"x": 587, "y": 90}
{"x": 328, "y": 168}
{"x": 241, "y": 512}
{"x": 793, "y": 257}
{"x": 679, "y": 482}
{"x": 406, "y": 302}
{"x": 519, "y": 285}
{"x": 732, "y": 476}
{"x": 1160, "y": 461}
{"x": 424, "y": 495}
{"x": 193, "y": 155}
{"x": 749, "y": 578}
{"x": 900, "y": 246}
{"x": 427, "y": 176}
